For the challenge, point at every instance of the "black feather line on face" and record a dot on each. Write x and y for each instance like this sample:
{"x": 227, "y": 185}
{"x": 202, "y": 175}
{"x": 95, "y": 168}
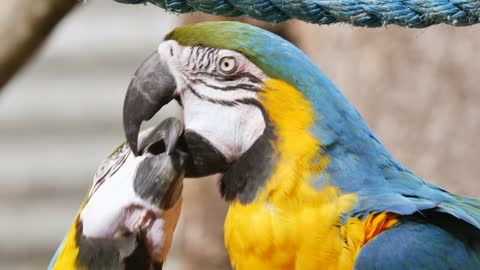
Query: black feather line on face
{"x": 115, "y": 162}
{"x": 203, "y": 55}
{"x": 240, "y": 86}
{"x": 227, "y": 103}
{"x": 255, "y": 87}
{"x": 211, "y": 57}
{"x": 189, "y": 59}
{"x": 195, "y": 62}
{"x": 215, "y": 101}
{"x": 230, "y": 77}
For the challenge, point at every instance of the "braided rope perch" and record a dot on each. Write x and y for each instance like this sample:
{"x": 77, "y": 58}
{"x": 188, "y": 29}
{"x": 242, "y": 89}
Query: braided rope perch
{"x": 366, "y": 13}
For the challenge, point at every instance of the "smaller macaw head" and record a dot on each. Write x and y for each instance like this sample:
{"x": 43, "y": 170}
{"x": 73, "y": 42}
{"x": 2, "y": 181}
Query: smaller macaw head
{"x": 242, "y": 90}
{"x": 128, "y": 217}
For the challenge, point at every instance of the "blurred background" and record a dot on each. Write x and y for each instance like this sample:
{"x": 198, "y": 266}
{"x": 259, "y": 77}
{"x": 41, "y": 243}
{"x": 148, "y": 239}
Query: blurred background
{"x": 61, "y": 113}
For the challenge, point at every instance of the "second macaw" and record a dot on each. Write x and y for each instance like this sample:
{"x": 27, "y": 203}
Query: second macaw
{"x": 128, "y": 218}
{"x": 309, "y": 185}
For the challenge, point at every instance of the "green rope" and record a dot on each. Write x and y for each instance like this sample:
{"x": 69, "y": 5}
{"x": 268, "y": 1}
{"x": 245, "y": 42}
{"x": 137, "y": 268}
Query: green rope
{"x": 366, "y": 13}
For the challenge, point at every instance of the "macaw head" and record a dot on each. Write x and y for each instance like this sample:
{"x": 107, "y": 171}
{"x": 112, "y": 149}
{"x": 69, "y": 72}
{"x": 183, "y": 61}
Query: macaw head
{"x": 128, "y": 217}
{"x": 249, "y": 98}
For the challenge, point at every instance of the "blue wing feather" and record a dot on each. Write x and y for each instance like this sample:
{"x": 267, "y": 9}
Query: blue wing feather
{"x": 384, "y": 185}
{"x": 420, "y": 244}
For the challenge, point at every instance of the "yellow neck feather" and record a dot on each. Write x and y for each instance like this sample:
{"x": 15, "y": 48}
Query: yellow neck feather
{"x": 299, "y": 152}
{"x": 67, "y": 257}
{"x": 290, "y": 224}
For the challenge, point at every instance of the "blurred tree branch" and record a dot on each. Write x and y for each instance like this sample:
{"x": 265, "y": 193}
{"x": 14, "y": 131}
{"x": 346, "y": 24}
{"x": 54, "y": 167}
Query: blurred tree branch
{"x": 24, "y": 25}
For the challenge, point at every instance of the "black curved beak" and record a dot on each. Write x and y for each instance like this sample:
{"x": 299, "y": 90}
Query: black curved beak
{"x": 152, "y": 87}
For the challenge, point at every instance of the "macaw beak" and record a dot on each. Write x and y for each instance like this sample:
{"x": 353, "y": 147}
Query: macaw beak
{"x": 152, "y": 87}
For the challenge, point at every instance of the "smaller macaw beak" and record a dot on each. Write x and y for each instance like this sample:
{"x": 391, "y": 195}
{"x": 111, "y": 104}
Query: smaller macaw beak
{"x": 159, "y": 176}
{"x": 152, "y": 87}
{"x": 168, "y": 132}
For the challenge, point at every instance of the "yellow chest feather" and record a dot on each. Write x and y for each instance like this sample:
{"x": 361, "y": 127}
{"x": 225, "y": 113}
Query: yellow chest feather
{"x": 298, "y": 234}
{"x": 290, "y": 225}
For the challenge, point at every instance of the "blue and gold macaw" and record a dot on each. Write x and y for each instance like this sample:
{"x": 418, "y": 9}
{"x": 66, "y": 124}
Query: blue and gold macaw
{"x": 309, "y": 185}
{"x": 128, "y": 217}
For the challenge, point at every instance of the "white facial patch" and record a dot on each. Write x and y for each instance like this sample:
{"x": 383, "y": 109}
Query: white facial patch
{"x": 113, "y": 205}
{"x": 105, "y": 212}
{"x": 231, "y": 130}
{"x": 218, "y": 90}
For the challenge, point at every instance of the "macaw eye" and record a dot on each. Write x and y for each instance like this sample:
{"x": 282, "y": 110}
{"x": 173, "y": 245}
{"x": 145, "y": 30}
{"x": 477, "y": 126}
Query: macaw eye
{"x": 228, "y": 64}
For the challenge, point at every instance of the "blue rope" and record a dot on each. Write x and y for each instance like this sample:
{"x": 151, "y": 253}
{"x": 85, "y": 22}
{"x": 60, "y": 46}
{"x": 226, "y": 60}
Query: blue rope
{"x": 366, "y": 13}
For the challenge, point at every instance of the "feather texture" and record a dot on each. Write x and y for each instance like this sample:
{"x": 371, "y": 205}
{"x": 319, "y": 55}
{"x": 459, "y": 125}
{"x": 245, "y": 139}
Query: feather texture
{"x": 314, "y": 122}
